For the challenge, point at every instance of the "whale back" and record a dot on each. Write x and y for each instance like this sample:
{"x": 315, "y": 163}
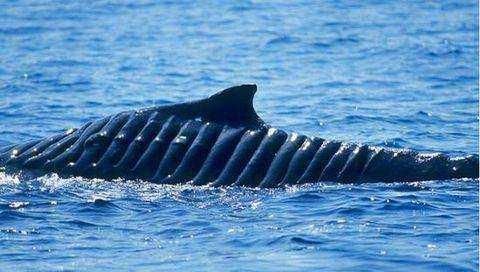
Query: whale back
{"x": 219, "y": 141}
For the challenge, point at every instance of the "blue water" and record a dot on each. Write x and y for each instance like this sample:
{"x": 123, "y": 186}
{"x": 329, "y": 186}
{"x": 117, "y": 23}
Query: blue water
{"x": 390, "y": 73}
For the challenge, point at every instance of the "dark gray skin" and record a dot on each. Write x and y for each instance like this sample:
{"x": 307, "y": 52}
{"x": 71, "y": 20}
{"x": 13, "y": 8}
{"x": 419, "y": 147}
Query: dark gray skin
{"x": 220, "y": 141}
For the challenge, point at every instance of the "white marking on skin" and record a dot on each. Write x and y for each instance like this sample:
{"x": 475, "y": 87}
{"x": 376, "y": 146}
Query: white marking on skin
{"x": 252, "y": 132}
{"x": 305, "y": 145}
{"x": 293, "y": 137}
{"x": 341, "y": 149}
{"x": 103, "y": 133}
{"x": 70, "y": 131}
{"x": 181, "y": 139}
{"x": 271, "y": 131}
{"x": 14, "y": 153}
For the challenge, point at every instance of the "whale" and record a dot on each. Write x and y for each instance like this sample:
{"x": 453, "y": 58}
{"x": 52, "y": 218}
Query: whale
{"x": 220, "y": 141}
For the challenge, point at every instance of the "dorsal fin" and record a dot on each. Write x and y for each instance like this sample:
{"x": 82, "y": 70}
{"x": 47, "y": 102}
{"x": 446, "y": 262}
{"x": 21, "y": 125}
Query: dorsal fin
{"x": 232, "y": 106}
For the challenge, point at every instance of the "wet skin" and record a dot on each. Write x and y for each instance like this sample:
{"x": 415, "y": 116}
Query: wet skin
{"x": 220, "y": 141}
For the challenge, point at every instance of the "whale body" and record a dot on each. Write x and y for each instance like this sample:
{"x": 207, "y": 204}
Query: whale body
{"x": 220, "y": 141}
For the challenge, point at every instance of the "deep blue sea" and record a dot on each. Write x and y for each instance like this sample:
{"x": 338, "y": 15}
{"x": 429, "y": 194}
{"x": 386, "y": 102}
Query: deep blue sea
{"x": 401, "y": 74}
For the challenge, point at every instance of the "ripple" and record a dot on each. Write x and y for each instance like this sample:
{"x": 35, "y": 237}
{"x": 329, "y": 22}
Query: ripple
{"x": 305, "y": 241}
{"x": 401, "y": 205}
{"x": 281, "y": 40}
{"x": 306, "y": 197}
{"x": 79, "y": 223}
{"x": 26, "y": 30}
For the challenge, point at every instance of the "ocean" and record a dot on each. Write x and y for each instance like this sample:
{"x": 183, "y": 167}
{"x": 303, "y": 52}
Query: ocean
{"x": 401, "y": 74}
